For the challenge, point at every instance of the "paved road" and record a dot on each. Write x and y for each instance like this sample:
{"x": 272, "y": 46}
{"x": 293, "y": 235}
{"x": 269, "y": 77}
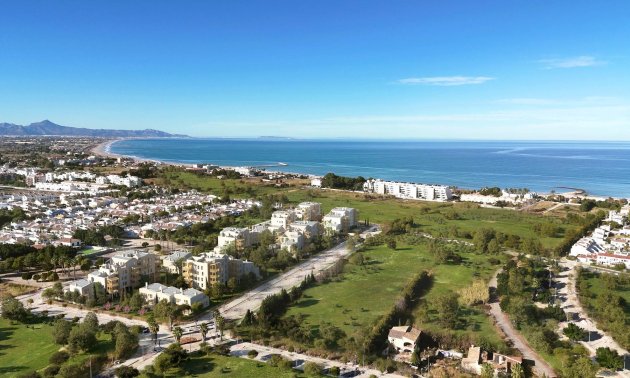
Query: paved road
{"x": 540, "y": 366}
{"x": 570, "y": 303}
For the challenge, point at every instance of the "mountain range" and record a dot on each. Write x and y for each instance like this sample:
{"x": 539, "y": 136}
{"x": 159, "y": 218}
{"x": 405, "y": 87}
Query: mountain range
{"x": 47, "y": 127}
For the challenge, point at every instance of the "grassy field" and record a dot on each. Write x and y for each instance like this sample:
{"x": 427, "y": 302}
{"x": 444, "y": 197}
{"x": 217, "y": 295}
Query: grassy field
{"x": 222, "y": 366}
{"x": 23, "y": 349}
{"x": 15, "y": 290}
{"x": 433, "y": 217}
{"x": 363, "y": 294}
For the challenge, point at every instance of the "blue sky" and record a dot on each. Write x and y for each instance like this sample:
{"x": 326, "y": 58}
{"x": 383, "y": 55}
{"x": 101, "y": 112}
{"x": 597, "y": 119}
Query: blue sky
{"x": 312, "y": 69}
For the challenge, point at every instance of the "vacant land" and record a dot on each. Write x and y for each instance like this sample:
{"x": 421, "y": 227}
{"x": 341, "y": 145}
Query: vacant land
{"x": 222, "y": 366}
{"x": 24, "y": 347}
{"x": 15, "y": 290}
{"x": 356, "y": 299}
{"x": 435, "y": 218}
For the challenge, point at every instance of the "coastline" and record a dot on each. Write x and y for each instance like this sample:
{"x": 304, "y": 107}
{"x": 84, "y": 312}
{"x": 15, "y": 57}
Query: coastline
{"x": 103, "y": 149}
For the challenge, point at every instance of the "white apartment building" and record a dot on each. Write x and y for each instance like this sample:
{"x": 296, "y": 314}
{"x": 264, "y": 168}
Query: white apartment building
{"x": 282, "y": 219}
{"x": 309, "y": 211}
{"x": 156, "y": 292}
{"x": 341, "y": 219}
{"x": 586, "y": 246}
{"x": 170, "y": 262}
{"x": 125, "y": 270}
{"x": 205, "y": 270}
{"x": 292, "y": 241}
{"x": 310, "y": 229}
{"x": 239, "y": 237}
{"x": 613, "y": 259}
{"x": 408, "y": 190}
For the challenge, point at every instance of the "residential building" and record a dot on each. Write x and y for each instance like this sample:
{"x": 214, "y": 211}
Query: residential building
{"x": 341, "y": 219}
{"x": 501, "y": 363}
{"x": 126, "y": 270}
{"x": 173, "y": 262}
{"x": 407, "y": 190}
{"x": 309, "y": 211}
{"x": 239, "y": 237}
{"x": 310, "y": 229}
{"x": 211, "y": 268}
{"x": 292, "y": 241}
{"x": 404, "y": 338}
{"x": 156, "y": 292}
{"x": 83, "y": 286}
{"x": 282, "y": 219}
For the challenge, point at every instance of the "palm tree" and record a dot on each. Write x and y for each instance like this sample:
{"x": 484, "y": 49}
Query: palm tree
{"x": 154, "y": 327}
{"x": 178, "y": 332}
{"x": 203, "y": 329}
{"x": 220, "y": 321}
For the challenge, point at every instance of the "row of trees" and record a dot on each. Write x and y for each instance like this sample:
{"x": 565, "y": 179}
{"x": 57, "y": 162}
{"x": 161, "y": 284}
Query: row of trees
{"x": 17, "y": 258}
{"x": 607, "y": 306}
{"x": 331, "y": 180}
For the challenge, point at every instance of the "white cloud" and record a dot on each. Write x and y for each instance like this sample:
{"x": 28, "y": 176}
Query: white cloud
{"x": 445, "y": 81}
{"x": 572, "y": 62}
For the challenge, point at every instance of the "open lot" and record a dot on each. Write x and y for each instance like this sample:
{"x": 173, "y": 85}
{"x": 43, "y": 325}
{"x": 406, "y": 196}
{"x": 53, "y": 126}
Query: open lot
{"x": 24, "y": 347}
{"x": 356, "y": 299}
{"x": 222, "y": 366}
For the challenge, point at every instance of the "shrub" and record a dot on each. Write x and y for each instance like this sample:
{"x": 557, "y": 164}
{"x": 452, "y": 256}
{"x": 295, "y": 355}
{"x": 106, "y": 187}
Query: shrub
{"x": 252, "y": 353}
{"x": 59, "y": 357}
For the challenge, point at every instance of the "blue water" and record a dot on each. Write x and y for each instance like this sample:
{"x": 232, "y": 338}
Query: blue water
{"x": 601, "y": 168}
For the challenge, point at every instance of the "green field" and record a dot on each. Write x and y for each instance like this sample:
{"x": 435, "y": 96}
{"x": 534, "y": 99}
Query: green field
{"x": 222, "y": 366}
{"x": 361, "y": 295}
{"x": 23, "y": 349}
{"x": 433, "y": 217}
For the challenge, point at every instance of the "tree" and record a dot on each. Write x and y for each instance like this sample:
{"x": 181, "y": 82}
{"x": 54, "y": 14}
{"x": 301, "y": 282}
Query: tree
{"x": 581, "y": 367}
{"x": 487, "y": 371}
{"x": 136, "y": 301}
{"x": 82, "y": 338}
{"x": 608, "y": 358}
{"x": 391, "y": 243}
{"x": 312, "y": 369}
{"x": 203, "y": 329}
{"x": 447, "y": 308}
{"x": 573, "y": 332}
{"x": 91, "y": 321}
{"x": 517, "y": 371}
{"x": 177, "y": 333}
{"x": 127, "y": 372}
{"x": 59, "y": 357}
{"x": 61, "y": 331}
{"x": 154, "y": 327}
{"x": 220, "y": 322}
{"x": 13, "y": 309}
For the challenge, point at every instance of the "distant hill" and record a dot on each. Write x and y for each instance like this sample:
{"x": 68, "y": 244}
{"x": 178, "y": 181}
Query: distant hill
{"x": 49, "y": 128}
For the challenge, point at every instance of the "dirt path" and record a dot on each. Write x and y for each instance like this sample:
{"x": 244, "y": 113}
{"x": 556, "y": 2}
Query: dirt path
{"x": 503, "y": 322}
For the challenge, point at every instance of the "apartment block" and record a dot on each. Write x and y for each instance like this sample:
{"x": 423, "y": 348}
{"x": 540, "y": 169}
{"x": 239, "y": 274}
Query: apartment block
{"x": 211, "y": 268}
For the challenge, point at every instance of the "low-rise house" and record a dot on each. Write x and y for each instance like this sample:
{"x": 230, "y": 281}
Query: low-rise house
{"x": 404, "y": 339}
{"x": 476, "y": 358}
{"x": 156, "y": 292}
{"x": 82, "y": 286}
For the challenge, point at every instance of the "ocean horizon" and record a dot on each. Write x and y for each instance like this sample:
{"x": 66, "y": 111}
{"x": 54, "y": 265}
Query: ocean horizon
{"x": 599, "y": 167}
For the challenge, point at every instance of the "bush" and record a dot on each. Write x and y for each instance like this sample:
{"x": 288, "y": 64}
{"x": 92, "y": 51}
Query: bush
{"x": 252, "y": 353}
{"x": 51, "y": 371}
{"x": 311, "y": 368}
{"x": 59, "y": 357}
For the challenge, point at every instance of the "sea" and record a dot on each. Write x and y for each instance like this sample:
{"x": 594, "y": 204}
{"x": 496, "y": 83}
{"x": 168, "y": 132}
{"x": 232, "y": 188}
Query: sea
{"x": 599, "y": 168}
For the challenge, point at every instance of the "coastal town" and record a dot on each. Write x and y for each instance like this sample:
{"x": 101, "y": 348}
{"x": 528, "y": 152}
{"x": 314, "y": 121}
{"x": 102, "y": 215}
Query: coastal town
{"x": 200, "y": 269}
